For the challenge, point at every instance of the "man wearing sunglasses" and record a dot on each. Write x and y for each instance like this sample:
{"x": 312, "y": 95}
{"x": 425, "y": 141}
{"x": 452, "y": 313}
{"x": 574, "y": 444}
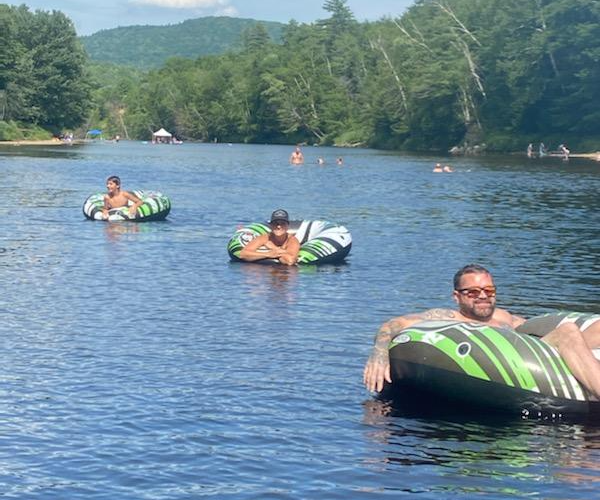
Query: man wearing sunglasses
{"x": 475, "y": 294}
{"x": 277, "y": 244}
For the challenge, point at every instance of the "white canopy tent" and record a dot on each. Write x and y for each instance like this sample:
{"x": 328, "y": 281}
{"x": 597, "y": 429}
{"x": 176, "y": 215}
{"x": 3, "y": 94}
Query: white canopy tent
{"x": 161, "y": 136}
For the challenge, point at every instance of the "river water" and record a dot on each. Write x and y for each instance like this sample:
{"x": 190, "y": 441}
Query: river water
{"x": 139, "y": 363}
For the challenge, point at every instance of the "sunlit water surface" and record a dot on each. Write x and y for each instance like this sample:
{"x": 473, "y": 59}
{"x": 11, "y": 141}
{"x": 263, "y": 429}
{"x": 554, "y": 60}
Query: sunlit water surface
{"x": 139, "y": 363}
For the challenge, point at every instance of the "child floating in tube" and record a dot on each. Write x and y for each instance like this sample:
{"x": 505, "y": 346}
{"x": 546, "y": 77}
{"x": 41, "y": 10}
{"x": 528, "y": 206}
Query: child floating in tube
{"x": 115, "y": 198}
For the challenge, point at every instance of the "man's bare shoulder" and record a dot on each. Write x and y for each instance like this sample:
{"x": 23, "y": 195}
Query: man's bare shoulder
{"x": 505, "y": 318}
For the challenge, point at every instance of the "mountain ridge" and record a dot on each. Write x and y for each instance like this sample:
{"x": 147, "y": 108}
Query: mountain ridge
{"x": 149, "y": 46}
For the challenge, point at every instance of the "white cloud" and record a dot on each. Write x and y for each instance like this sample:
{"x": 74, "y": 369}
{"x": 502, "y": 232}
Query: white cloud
{"x": 187, "y": 4}
{"x": 229, "y": 11}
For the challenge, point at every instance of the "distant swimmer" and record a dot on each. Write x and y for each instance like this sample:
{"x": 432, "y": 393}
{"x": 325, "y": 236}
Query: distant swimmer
{"x": 339, "y": 160}
{"x": 448, "y": 168}
{"x": 297, "y": 158}
{"x": 530, "y": 150}
{"x": 320, "y": 160}
{"x": 438, "y": 168}
{"x": 542, "y": 150}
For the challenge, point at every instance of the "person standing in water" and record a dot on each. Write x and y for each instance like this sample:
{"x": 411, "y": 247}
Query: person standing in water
{"x": 297, "y": 158}
{"x": 542, "y": 150}
{"x": 530, "y": 150}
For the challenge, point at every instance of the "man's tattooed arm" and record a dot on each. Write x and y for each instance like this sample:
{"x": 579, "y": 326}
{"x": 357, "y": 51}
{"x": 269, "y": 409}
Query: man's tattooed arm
{"x": 393, "y": 327}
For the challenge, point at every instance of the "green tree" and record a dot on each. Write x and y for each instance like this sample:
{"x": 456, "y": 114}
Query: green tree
{"x": 42, "y": 75}
{"x": 446, "y": 72}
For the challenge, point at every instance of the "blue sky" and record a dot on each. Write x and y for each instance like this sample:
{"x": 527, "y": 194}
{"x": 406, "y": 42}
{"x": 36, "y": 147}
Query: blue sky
{"x": 90, "y": 16}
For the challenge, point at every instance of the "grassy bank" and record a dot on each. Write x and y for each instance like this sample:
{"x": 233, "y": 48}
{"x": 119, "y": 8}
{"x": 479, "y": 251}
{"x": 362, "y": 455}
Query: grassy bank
{"x": 13, "y": 131}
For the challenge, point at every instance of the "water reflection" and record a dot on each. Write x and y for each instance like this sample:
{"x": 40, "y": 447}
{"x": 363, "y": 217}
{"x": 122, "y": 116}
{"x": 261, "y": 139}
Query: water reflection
{"x": 276, "y": 282}
{"x": 578, "y": 460}
{"x": 490, "y": 446}
{"x": 63, "y": 151}
{"x": 116, "y": 230}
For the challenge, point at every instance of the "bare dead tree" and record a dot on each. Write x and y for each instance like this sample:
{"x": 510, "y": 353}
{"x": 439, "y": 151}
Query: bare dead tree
{"x": 460, "y": 45}
{"x": 461, "y": 26}
{"x": 378, "y": 45}
{"x": 412, "y": 39}
{"x": 543, "y": 28}
{"x": 304, "y": 88}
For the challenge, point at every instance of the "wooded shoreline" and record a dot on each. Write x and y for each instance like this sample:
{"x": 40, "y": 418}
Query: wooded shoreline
{"x": 57, "y": 142}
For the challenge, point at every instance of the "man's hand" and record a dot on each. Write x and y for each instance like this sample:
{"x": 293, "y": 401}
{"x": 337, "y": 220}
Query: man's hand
{"x": 377, "y": 370}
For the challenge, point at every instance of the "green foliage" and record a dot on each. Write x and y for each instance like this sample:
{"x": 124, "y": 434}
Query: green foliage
{"x": 147, "y": 47}
{"x": 446, "y": 73}
{"x": 42, "y": 74}
{"x": 13, "y": 131}
{"x": 9, "y": 131}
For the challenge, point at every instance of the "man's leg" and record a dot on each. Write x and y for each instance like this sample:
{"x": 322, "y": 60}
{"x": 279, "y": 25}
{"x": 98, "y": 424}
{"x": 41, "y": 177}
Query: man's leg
{"x": 573, "y": 347}
{"x": 591, "y": 334}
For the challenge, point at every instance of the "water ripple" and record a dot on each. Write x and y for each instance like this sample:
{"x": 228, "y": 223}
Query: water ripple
{"x": 139, "y": 363}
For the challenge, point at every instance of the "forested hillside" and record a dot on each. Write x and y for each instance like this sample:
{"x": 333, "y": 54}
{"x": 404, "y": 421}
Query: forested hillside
{"x": 486, "y": 73}
{"x": 478, "y": 74}
{"x": 147, "y": 47}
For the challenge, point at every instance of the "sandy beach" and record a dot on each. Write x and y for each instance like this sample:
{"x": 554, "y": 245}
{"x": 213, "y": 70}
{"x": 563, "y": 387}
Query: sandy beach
{"x": 591, "y": 156}
{"x": 47, "y": 142}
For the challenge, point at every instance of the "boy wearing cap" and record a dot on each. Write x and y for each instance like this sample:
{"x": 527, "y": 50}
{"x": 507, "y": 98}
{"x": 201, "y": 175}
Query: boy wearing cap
{"x": 277, "y": 244}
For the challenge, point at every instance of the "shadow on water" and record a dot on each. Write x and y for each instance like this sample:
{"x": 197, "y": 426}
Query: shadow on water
{"x": 525, "y": 458}
{"x": 69, "y": 152}
{"x": 419, "y": 404}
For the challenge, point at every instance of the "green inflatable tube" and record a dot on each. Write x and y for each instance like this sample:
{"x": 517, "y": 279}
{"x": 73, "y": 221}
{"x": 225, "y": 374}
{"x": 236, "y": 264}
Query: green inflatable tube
{"x": 156, "y": 206}
{"x": 467, "y": 365}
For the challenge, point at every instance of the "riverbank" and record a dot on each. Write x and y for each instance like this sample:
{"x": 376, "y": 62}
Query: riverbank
{"x": 45, "y": 142}
{"x": 587, "y": 156}
{"x": 591, "y": 156}
{"x": 57, "y": 142}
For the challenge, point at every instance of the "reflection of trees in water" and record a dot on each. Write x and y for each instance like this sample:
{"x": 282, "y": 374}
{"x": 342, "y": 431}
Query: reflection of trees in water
{"x": 516, "y": 454}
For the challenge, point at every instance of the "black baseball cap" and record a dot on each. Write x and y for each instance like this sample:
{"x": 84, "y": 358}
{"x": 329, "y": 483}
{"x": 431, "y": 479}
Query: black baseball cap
{"x": 280, "y": 214}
